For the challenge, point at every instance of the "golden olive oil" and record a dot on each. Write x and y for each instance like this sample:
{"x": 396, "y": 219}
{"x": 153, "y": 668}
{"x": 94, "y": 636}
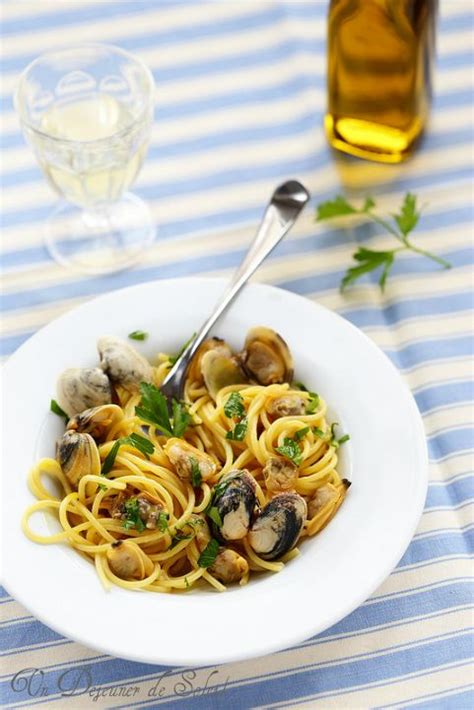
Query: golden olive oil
{"x": 380, "y": 55}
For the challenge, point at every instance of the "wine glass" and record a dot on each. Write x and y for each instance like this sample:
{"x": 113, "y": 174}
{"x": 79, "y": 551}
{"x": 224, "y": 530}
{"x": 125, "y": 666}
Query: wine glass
{"x": 87, "y": 112}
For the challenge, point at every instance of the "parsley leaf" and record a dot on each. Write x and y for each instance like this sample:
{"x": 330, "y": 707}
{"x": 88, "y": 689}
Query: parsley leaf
{"x": 110, "y": 458}
{"x": 174, "y": 358}
{"x": 181, "y": 418}
{"x": 196, "y": 476}
{"x": 132, "y": 515}
{"x": 369, "y": 259}
{"x": 313, "y": 403}
{"x": 54, "y": 407}
{"x": 334, "y": 441}
{"x": 239, "y": 431}
{"x": 140, "y": 443}
{"x": 209, "y": 554}
{"x": 408, "y": 217}
{"x": 234, "y": 407}
{"x": 153, "y": 409}
{"x": 290, "y": 450}
{"x": 162, "y": 522}
{"x": 301, "y": 433}
{"x": 319, "y": 432}
{"x": 138, "y": 335}
{"x": 214, "y": 515}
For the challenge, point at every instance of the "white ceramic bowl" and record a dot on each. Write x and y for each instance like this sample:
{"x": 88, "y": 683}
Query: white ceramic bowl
{"x": 386, "y": 460}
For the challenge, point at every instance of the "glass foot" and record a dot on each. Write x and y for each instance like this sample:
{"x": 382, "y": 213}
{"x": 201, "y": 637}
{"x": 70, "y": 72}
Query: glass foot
{"x": 102, "y": 242}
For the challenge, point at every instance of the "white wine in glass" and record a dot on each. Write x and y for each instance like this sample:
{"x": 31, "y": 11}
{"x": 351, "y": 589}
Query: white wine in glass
{"x": 87, "y": 112}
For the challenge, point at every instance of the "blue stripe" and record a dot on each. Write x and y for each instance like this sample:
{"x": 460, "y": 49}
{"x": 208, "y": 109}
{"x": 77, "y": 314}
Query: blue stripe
{"x": 444, "y": 393}
{"x": 451, "y": 494}
{"x": 431, "y": 350}
{"x": 453, "y": 701}
{"x": 449, "y": 442}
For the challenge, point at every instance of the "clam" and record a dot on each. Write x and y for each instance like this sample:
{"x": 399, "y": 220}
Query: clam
{"x": 194, "y": 371}
{"x": 229, "y": 566}
{"x": 288, "y": 405}
{"x": 78, "y": 456}
{"x": 280, "y": 474}
{"x": 324, "y": 496}
{"x": 278, "y": 526}
{"x": 188, "y": 461}
{"x": 128, "y": 561}
{"x": 266, "y": 357}
{"x": 235, "y": 504}
{"x": 219, "y": 370}
{"x": 123, "y": 364}
{"x": 81, "y": 388}
{"x": 149, "y": 508}
{"x": 96, "y": 421}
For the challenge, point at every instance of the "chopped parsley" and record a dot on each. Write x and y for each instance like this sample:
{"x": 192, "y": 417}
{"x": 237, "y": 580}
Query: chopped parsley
{"x": 334, "y": 441}
{"x": 330, "y": 436}
{"x": 162, "y": 522}
{"x": 301, "y": 433}
{"x": 196, "y": 477}
{"x": 234, "y": 407}
{"x": 214, "y": 515}
{"x": 313, "y": 402}
{"x": 138, "y": 335}
{"x": 143, "y": 445}
{"x": 239, "y": 431}
{"x": 54, "y": 407}
{"x": 132, "y": 515}
{"x": 153, "y": 409}
{"x": 209, "y": 554}
{"x": 174, "y": 358}
{"x": 291, "y": 450}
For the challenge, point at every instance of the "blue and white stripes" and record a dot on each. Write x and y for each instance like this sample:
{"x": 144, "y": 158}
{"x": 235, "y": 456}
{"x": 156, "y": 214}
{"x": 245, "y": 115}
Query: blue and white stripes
{"x": 240, "y": 100}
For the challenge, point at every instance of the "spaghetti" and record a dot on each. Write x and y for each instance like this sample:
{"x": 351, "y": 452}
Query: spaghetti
{"x": 151, "y": 512}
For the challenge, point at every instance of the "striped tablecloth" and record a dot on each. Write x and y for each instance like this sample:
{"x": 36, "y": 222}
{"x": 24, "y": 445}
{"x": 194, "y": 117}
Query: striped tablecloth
{"x": 240, "y": 103}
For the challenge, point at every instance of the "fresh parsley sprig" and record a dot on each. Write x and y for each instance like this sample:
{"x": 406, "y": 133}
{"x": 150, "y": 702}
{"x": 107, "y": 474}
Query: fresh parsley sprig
{"x": 132, "y": 515}
{"x": 140, "y": 443}
{"x": 153, "y": 409}
{"x": 239, "y": 431}
{"x": 368, "y": 260}
{"x": 196, "y": 476}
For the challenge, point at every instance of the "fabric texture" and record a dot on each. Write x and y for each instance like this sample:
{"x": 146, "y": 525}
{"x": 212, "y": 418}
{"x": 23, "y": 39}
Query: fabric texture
{"x": 240, "y": 102}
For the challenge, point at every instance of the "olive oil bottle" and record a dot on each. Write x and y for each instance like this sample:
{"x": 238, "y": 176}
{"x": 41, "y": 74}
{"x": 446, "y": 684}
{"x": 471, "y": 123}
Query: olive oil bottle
{"x": 380, "y": 55}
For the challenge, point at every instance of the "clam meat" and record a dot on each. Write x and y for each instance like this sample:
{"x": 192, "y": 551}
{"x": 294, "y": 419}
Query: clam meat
{"x": 278, "y": 526}
{"x": 96, "y": 421}
{"x": 81, "y": 388}
{"x": 235, "y": 505}
{"x": 78, "y": 456}
{"x": 128, "y": 561}
{"x": 194, "y": 371}
{"x": 288, "y": 405}
{"x": 149, "y": 508}
{"x": 280, "y": 474}
{"x": 266, "y": 357}
{"x": 229, "y": 566}
{"x": 189, "y": 461}
{"x": 122, "y": 363}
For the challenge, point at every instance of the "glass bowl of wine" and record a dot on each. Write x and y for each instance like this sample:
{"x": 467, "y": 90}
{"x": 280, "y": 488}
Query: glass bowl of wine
{"x": 87, "y": 112}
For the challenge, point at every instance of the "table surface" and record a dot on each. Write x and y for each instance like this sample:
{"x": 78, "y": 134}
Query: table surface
{"x": 240, "y": 100}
